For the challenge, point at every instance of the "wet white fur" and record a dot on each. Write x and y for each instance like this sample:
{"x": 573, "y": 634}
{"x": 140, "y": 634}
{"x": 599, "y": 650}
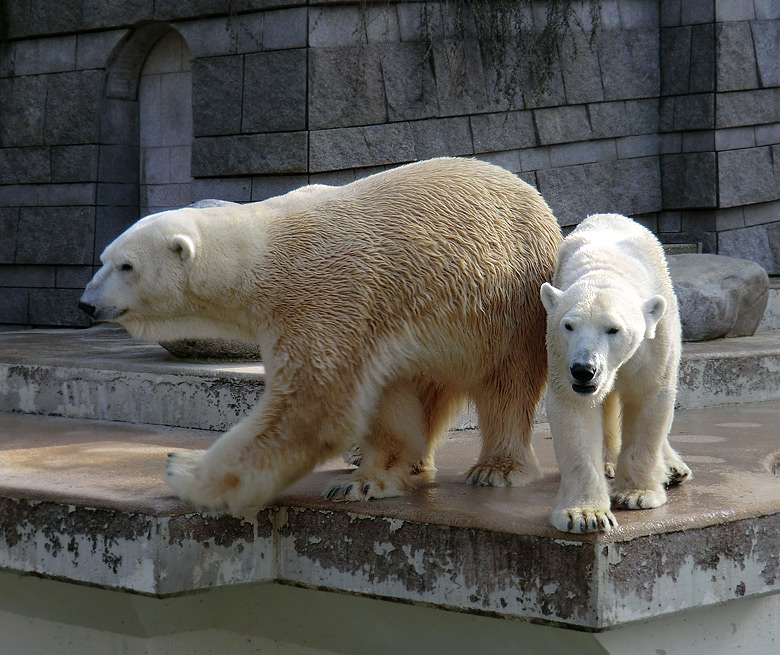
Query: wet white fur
{"x": 612, "y": 305}
{"x": 378, "y": 307}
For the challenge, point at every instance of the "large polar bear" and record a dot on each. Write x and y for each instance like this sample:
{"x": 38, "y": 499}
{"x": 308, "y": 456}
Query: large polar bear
{"x": 613, "y": 341}
{"x": 378, "y": 307}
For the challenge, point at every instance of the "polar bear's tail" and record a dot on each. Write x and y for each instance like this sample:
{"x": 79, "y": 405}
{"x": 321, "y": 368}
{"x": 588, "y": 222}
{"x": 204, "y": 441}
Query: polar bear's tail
{"x": 612, "y": 432}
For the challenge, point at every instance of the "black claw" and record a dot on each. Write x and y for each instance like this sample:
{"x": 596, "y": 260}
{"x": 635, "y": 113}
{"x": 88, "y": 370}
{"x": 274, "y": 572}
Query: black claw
{"x": 366, "y": 487}
{"x": 570, "y": 525}
{"x": 333, "y": 492}
{"x": 348, "y": 489}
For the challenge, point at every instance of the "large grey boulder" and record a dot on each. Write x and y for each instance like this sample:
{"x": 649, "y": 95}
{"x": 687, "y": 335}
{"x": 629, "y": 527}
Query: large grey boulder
{"x": 718, "y": 296}
{"x": 222, "y": 349}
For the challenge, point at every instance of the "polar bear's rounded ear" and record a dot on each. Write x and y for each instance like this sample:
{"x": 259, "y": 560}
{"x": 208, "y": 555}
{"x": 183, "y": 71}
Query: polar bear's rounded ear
{"x": 550, "y": 296}
{"x": 653, "y": 309}
{"x": 183, "y": 245}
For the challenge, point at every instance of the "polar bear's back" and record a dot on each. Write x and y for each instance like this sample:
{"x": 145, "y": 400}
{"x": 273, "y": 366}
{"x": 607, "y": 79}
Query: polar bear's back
{"x": 617, "y": 244}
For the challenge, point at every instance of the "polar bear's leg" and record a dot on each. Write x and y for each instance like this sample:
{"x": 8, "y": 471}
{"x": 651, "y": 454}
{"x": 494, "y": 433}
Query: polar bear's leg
{"x": 395, "y": 443}
{"x": 506, "y": 412}
{"x": 253, "y": 461}
{"x": 641, "y": 471}
{"x": 677, "y": 470}
{"x": 583, "y": 503}
{"x": 612, "y": 437}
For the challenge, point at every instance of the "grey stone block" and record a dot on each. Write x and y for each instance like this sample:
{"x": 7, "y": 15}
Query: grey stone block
{"x": 285, "y": 28}
{"x": 27, "y": 276}
{"x": 211, "y": 37}
{"x": 562, "y": 124}
{"x": 109, "y": 224}
{"x": 38, "y": 56}
{"x": 736, "y": 62}
{"x": 118, "y": 163}
{"x": 734, "y": 10}
{"x": 669, "y": 221}
{"x": 276, "y": 185}
{"x": 217, "y": 89}
{"x": 698, "y": 141}
{"x": 94, "y": 49}
{"x": 439, "y": 137}
{"x": 275, "y": 92}
{"x": 460, "y": 77}
{"x": 688, "y": 112}
{"x": 24, "y": 98}
{"x": 73, "y": 107}
{"x": 503, "y": 131}
{"x": 702, "y": 74}
{"x": 718, "y": 296}
{"x": 609, "y": 15}
{"x": 334, "y": 178}
{"x": 638, "y": 14}
{"x": 280, "y": 154}
{"x": 550, "y": 94}
{"x": 119, "y": 122}
{"x": 697, "y": 11}
{"x": 80, "y": 193}
{"x": 25, "y": 165}
{"x": 767, "y": 134}
{"x": 767, "y": 40}
{"x": 73, "y": 277}
{"x": 361, "y": 146}
{"x": 336, "y": 26}
{"x": 579, "y": 65}
{"x": 642, "y": 116}
{"x": 761, "y": 213}
{"x": 644, "y": 145}
{"x": 735, "y": 137}
{"x": 583, "y": 152}
{"x": 345, "y": 87}
{"x": 567, "y": 193}
{"x": 382, "y": 24}
{"x": 532, "y": 159}
{"x": 55, "y": 235}
{"x": 75, "y": 163}
{"x": 729, "y": 219}
{"x": 249, "y": 32}
{"x": 757, "y": 107}
{"x": 117, "y": 195}
{"x": 760, "y": 244}
{"x": 671, "y": 143}
{"x": 19, "y": 195}
{"x": 767, "y": 9}
{"x": 508, "y": 160}
{"x": 689, "y": 180}
{"x": 13, "y": 305}
{"x": 629, "y": 64}
{"x": 9, "y": 223}
{"x": 675, "y": 60}
{"x": 608, "y": 119}
{"x": 56, "y": 307}
{"x": 746, "y": 177}
{"x": 234, "y": 190}
{"x": 670, "y": 13}
{"x": 409, "y": 83}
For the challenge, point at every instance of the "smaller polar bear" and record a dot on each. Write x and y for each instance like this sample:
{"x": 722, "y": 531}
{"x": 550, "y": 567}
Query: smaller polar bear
{"x": 378, "y": 306}
{"x": 613, "y": 349}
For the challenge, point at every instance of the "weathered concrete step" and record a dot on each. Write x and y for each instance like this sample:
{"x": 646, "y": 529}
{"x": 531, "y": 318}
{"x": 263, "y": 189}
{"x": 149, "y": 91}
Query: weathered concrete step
{"x": 102, "y": 373}
{"x": 84, "y": 501}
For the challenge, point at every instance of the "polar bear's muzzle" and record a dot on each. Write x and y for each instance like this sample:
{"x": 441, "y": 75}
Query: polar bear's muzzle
{"x": 583, "y": 378}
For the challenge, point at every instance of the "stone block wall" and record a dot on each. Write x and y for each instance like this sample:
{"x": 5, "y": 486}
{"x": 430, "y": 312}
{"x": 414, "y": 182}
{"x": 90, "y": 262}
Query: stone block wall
{"x": 670, "y": 114}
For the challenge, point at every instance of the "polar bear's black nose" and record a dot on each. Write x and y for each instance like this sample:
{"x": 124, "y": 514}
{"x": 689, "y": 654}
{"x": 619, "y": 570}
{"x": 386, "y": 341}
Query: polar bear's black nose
{"x": 87, "y": 308}
{"x": 582, "y": 372}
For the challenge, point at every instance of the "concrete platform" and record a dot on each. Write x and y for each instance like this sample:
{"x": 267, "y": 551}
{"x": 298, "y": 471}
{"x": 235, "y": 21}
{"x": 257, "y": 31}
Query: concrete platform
{"x": 101, "y": 373}
{"x": 83, "y": 501}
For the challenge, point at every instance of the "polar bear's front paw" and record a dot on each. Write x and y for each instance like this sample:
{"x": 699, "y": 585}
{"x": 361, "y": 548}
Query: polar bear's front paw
{"x": 502, "y": 472}
{"x": 184, "y": 474}
{"x": 364, "y": 487}
{"x": 583, "y": 519}
{"x": 638, "y": 498}
{"x": 677, "y": 472}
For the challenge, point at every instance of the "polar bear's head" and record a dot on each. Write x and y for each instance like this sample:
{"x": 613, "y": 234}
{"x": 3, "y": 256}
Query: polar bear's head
{"x": 145, "y": 280}
{"x": 595, "y": 330}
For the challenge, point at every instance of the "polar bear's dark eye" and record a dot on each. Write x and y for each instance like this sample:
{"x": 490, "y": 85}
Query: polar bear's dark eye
{"x": 613, "y": 330}
{"x": 568, "y": 326}
{"x": 126, "y": 268}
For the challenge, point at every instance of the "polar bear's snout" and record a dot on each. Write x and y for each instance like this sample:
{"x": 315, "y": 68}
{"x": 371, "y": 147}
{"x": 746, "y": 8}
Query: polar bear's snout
{"x": 583, "y": 376}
